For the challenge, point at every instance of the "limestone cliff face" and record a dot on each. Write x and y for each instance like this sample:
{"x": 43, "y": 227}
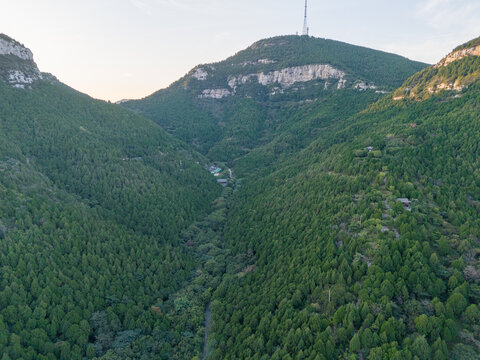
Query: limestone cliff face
{"x": 11, "y": 47}
{"x": 363, "y": 86}
{"x": 282, "y": 79}
{"x": 457, "y": 55}
{"x": 215, "y": 93}
{"x": 279, "y": 80}
{"x": 200, "y": 74}
{"x": 258, "y": 62}
{"x": 19, "y": 79}
{"x": 17, "y": 68}
{"x": 288, "y": 76}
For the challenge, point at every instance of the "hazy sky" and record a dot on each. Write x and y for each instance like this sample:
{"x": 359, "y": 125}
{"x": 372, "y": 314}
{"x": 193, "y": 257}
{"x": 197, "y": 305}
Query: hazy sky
{"x": 115, "y": 49}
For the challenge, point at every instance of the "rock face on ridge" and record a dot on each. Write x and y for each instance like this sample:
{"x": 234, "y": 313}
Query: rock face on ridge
{"x": 284, "y": 78}
{"x": 215, "y": 93}
{"x": 454, "y": 73}
{"x": 458, "y": 55}
{"x": 18, "y": 68}
{"x": 281, "y": 79}
{"x": 288, "y": 76}
{"x": 277, "y": 67}
{"x": 11, "y": 47}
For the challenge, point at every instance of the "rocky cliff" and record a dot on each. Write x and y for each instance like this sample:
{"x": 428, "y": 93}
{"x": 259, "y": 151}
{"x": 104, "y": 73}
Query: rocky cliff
{"x": 289, "y": 76}
{"x": 215, "y": 93}
{"x": 454, "y": 73}
{"x": 11, "y": 47}
{"x": 458, "y": 55}
{"x": 280, "y": 80}
{"x": 17, "y": 67}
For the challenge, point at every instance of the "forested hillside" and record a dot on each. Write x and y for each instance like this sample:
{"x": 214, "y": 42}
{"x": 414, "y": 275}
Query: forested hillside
{"x": 365, "y": 244}
{"x": 93, "y": 201}
{"x": 348, "y": 227}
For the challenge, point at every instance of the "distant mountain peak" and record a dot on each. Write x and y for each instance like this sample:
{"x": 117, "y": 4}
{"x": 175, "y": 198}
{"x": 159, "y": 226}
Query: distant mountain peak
{"x": 283, "y": 65}
{"x": 17, "y": 67}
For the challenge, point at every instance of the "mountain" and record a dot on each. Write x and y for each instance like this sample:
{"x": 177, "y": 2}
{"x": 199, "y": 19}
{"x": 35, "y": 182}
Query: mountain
{"x": 93, "y": 202}
{"x": 364, "y": 244}
{"x": 456, "y": 71}
{"x": 228, "y": 108}
{"x": 348, "y": 227}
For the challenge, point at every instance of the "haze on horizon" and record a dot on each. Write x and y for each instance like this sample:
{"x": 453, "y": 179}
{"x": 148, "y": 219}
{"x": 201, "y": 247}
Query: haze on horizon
{"x": 116, "y": 49}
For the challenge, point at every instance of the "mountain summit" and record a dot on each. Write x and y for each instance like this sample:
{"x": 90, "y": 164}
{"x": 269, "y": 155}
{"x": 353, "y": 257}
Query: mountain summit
{"x": 226, "y": 109}
{"x": 291, "y": 63}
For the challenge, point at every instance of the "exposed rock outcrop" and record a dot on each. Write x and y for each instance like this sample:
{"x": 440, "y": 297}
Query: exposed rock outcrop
{"x": 258, "y": 62}
{"x": 200, "y": 74}
{"x": 457, "y": 55}
{"x": 288, "y": 76}
{"x": 18, "y": 68}
{"x": 11, "y": 47}
{"x": 443, "y": 86}
{"x": 266, "y": 61}
{"x": 341, "y": 84}
{"x": 215, "y": 93}
{"x": 19, "y": 79}
{"x": 363, "y": 86}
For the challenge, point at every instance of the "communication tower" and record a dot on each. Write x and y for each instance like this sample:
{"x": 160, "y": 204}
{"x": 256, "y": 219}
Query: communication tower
{"x": 305, "y": 26}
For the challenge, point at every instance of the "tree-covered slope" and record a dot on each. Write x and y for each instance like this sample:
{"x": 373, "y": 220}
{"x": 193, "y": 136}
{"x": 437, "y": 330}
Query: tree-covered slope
{"x": 93, "y": 201}
{"x": 364, "y": 245}
{"x": 228, "y": 108}
{"x": 352, "y": 234}
{"x": 456, "y": 71}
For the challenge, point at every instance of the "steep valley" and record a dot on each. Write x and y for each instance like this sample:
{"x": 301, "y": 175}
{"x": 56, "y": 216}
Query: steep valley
{"x": 347, "y": 228}
{"x": 352, "y": 244}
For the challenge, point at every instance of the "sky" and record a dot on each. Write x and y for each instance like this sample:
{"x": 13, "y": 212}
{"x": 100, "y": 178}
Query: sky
{"x": 127, "y": 49}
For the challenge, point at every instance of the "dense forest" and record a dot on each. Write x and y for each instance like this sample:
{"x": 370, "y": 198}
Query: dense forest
{"x": 348, "y": 227}
{"x": 94, "y": 200}
{"x": 357, "y": 252}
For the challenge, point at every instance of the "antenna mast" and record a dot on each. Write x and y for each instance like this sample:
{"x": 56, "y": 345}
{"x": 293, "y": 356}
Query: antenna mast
{"x": 305, "y": 26}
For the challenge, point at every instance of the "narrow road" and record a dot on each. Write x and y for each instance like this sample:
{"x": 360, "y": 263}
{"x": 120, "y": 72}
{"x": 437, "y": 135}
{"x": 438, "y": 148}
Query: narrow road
{"x": 207, "y": 323}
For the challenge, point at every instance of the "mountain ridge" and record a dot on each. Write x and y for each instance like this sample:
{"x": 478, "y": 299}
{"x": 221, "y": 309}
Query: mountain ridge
{"x": 285, "y": 52}
{"x": 267, "y": 77}
{"x": 453, "y": 73}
